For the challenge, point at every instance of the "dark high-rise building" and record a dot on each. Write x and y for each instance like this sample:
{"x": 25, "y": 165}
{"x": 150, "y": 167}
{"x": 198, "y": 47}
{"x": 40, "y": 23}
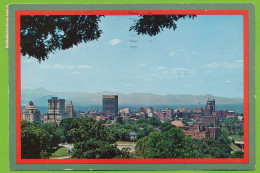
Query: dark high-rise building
{"x": 56, "y": 110}
{"x": 56, "y": 106}
{"x": 110, "y": 104}
{"x": 210, "y": 107}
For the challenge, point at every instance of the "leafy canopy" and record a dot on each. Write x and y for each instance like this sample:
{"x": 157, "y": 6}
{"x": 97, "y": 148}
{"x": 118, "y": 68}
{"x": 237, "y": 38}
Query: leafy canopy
{"x": 35, "y": 141}
{"x": 42, "y": 35}
{"x": 92, "y": 140}
{"x": 153, "y": 24}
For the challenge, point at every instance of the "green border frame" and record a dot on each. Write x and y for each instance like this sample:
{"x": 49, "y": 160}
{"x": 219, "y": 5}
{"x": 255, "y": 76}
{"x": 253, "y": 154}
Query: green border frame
{"x": 252, "y": 121}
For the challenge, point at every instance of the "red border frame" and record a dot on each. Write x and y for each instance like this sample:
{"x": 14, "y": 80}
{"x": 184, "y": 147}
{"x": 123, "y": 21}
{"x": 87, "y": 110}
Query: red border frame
{"x": 18, "y": 14}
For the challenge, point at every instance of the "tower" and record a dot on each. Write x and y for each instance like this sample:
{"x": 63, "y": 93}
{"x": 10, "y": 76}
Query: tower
{"x": 210, "y": 107}
{"x": 69, "y": 109}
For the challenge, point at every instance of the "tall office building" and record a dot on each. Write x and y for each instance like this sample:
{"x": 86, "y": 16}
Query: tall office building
{"x": 31, "y": 113}
{"x": 56, "y": 110}
{"x": 110, "y": 104}
{"x": 69, "y": 109}
{"x": 56, "y": 106}
{"x": 210, "y": 107}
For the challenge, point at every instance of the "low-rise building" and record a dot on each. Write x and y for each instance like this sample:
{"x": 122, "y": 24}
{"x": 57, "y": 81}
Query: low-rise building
{"x": 133, "y": 135}
{"x": 31, "y": 113}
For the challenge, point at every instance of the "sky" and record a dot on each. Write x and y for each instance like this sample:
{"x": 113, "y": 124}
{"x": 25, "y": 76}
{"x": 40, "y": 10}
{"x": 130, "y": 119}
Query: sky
{"x": 202, "y": 56}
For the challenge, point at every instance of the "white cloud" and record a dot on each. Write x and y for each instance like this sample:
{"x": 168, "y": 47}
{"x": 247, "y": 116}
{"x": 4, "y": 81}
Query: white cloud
{"x": 233, "y": 65}
{"x": 114, "y": 41}
{"x": 70, "y": 67}
{"x": 57, "y": 66}
{"x": 178, "y": 69}
{"x": 128, "y": 85}
{"x": 85, "y": 66}
{"x": 143, "y": 65}
{"x": 239, "y": 61}
{"x": 160, "y": 68}
{"x": 75, "y": 72}
{"x": 211, "y": 65}
{"x": 65, "y": 67}
{"x": 172, "y": 53}
{"x": 29, "y": 60}
{"x": 228, "y": 81}
{"x": 228, "y": 65}
{"x": 193, "y": 52}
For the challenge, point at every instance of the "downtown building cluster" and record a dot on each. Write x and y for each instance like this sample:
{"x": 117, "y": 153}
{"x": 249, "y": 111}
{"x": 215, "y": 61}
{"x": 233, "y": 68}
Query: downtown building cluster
{"x": 198, "y": 123}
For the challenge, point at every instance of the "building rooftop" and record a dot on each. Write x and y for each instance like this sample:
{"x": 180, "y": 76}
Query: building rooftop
{"x": 31, "y": 106}
{"x": 177, "y": 123}
{"x": 109, "y": 96}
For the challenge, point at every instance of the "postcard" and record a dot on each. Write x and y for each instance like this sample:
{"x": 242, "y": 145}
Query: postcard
{"x": 131, "y": 87}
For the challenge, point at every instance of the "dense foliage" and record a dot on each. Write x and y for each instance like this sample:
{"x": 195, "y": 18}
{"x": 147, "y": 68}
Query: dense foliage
{"x": 153, "y": 24}
{"x": 142, "y": 127}
{"x": 36, "y": 141}
{"x": 42, "y": 35}
{"x": 65, "y": 127}
{"x": 233, "y": 128}
{"x": 92, "y": 140}
{"x": 174, "y": 144}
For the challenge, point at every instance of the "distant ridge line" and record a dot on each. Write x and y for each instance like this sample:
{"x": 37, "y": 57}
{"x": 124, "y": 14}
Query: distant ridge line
{"x": 40, "y": 95}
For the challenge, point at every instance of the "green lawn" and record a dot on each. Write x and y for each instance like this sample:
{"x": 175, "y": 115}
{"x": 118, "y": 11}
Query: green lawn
{"x": 237, "y": 137}
{"x": 60, "y": 152}
{"x": 125, "y": 142}
{"x": 234, "y": 147}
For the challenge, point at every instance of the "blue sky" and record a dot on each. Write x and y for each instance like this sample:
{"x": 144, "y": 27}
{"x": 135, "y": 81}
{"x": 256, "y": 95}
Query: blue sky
{"x": 203, "y": 56}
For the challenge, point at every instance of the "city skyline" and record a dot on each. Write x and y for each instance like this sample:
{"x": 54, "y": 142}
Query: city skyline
{"x": 207, "y": 59}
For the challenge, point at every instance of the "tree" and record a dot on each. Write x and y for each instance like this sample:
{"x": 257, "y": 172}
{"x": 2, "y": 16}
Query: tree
{"x": 209, "y": 148}
{"x": 185, "y": 122}
{"x": 147, "y": 129}
{"x": 174, "y": 144}
{"x": 119, "y": 132}
{"x": 35, "y": 142}
{"x": 65, "y": 127}
{"x": 119, "y": 120}
{"x": 142, "y": 121}
{"x": 53, "y": 129}
{"x": 42, "y": 35}
{"x": 165, "y": 126}
{"x": 92, "y": 140}
{"x": 168, "y": 144}
{"x": 153, "y": 24}
{"x": 154, "y": 121}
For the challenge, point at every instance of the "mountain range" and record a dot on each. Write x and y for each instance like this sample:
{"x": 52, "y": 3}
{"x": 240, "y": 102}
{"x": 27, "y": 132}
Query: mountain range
{"x": 40, "y": 96}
